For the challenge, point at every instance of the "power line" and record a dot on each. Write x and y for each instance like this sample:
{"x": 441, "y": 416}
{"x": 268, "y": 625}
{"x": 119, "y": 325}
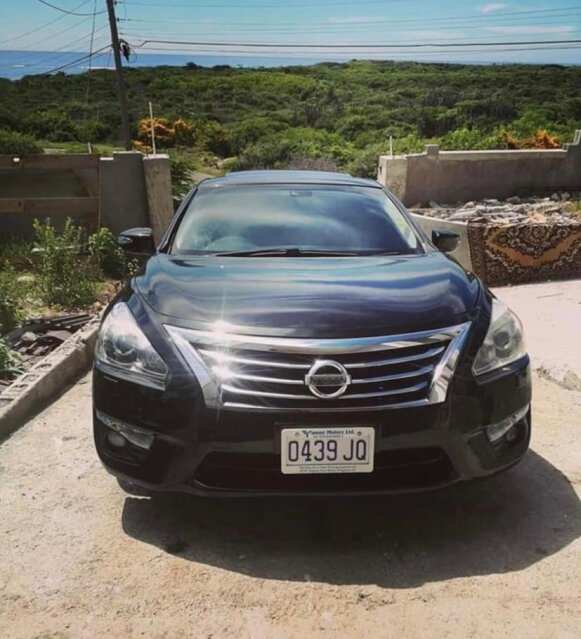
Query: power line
{"x": 74, "y": 62}
{"x": 64, "y": 48}
{"x": 413, "y": 45}
{"x": 566, "y": 11}
{"x": 70, "y": 13}
{"x": 43, "y": 26}
{"x": 247, "y": 5}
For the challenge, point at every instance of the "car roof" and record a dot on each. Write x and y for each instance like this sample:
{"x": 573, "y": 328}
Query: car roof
{"x": 286, "y": 177}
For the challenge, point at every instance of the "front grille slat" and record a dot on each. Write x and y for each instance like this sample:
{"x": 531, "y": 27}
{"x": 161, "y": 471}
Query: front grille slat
{"x": 390, "y": 378}
{"x": 384, "y": 393}
{"x": 240, "y": 372}
{"x": 397, "y": 360}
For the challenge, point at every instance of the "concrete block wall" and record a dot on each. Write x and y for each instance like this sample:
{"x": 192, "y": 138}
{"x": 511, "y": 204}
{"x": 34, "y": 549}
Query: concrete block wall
{"x": 449, "y": 177}
{"x": 123, "y": 191}
{"x": 136, "y": 191}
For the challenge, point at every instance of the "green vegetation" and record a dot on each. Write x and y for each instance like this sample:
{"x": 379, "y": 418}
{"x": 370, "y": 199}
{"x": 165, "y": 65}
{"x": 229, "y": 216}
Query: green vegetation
{"x": 108, "y": 257}
{"x": 58, "y": 271}
{"x": 10, "y": 364}
{"x": 15, "y": 143}
{"x": 339, "y": 114}
{"x": 63, "y": 276}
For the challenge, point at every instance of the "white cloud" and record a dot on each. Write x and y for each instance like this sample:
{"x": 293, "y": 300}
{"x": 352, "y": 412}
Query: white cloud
{"x": 531, "y": 30}
{"x": 491, "y": 7}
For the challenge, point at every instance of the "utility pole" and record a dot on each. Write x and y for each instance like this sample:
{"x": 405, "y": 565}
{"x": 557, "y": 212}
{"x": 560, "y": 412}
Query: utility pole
{"x": 119, "y": 70}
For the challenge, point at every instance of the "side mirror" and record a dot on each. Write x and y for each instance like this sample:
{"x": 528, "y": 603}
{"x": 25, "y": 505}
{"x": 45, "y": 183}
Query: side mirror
{"x": 138, "y": 240}
{"x": 445, "y": 241}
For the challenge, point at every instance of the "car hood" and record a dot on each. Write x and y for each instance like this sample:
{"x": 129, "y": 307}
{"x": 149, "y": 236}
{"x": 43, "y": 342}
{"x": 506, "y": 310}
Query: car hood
{"x": 310, "y": 297}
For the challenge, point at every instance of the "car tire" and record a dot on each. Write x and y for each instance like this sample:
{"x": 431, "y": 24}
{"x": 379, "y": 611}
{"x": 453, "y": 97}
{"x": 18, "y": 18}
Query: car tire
{"x": 134, "y": 489}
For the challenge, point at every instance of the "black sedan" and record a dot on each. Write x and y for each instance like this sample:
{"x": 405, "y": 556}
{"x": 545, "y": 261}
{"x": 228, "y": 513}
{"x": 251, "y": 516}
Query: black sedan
{"x": 297, "y": 333}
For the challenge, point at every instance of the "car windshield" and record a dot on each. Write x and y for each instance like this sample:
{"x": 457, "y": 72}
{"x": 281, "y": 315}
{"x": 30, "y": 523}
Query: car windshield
{"x": 320, "y": 219}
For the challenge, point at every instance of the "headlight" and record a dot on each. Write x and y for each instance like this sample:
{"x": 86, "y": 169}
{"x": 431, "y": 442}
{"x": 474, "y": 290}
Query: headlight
{"x": 504, "y": 342}
{"x": 122, "y": 350}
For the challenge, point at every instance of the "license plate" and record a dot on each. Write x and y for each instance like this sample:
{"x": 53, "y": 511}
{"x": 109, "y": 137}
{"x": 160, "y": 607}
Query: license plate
{"x": 327, "y": 450}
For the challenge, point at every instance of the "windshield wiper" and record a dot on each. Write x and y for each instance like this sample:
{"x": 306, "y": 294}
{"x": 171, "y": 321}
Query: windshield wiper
{"x": 287, "y": 252}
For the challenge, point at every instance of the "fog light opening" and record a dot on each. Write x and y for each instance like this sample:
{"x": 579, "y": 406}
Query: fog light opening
{"x": 116, "y": 440}
{"x": 125, "y": 432}
{"x": 506, "y": 427}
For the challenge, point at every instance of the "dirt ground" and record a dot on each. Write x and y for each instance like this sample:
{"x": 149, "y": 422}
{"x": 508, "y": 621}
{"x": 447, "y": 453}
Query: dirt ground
{"x": 80, "y": 559}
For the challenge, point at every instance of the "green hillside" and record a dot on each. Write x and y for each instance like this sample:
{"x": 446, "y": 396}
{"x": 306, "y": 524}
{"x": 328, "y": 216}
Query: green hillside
{"x": 342, "y": 114}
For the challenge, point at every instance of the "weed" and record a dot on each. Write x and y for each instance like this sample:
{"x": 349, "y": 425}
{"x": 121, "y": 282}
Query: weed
{"x": 110, "y": 258}
{"x": 10, "y": 362}
{"x": 63, "y": 272}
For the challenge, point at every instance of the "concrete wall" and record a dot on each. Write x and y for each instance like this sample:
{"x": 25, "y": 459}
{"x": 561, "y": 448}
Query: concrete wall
{"x": 136, "y": 191}
{"x": 157, "y": 171}
{"x": 449, "y": 177}
{"x": 123, "y": 191}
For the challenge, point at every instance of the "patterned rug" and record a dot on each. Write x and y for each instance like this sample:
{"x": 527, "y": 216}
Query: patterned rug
{"x": 519, "y": 253}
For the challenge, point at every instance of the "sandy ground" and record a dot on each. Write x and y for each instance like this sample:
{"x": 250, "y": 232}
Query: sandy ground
{"x": 78, "y": 558}
{"x": 551, "y": 313}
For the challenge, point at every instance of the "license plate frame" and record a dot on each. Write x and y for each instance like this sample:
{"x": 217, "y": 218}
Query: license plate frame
{"x": 348, "y": 459}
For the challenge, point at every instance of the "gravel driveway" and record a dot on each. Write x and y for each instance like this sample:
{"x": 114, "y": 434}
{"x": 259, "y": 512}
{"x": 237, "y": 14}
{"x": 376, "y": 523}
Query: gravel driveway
{"x": 80, "y": 559}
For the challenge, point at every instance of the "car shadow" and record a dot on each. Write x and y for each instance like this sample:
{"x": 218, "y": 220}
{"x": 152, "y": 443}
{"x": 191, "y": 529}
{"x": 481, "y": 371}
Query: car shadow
{"x": 500, "y": 525}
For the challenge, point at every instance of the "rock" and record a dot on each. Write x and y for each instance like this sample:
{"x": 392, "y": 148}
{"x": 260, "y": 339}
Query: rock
{"x": 470, "y": 205}
{"x": 462, "y": 216}
{"x": 565, "y": 197}
{"x": 555, "y": 197}
{"x": 513, "y": 200}
{"x": 28, "y": 338}
{"x": 435, "y": 205}
{"x": 571, "y": 381}
{"x": 491, "y": 202}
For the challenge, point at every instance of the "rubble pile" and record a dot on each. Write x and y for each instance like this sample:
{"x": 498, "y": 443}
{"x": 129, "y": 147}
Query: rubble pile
{"x": 36, "y": 338}
{"x": 559, "y": 208}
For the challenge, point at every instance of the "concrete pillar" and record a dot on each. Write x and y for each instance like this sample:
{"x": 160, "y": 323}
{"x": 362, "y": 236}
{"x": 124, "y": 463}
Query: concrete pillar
{"x": 157, "y": 171}
{"x": 123, "y": 193}
{"x": 393, "y": 173}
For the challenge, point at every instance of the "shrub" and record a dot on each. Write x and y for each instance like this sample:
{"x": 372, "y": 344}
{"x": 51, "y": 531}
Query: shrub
{"x": 14, "y": 143}
{"x": 10, "y": 363}
{"x": 8, "y": 302}
{"x": 181, "y": 175}
{"x": 110, "y": 258}
{"x": 64, "y": 273}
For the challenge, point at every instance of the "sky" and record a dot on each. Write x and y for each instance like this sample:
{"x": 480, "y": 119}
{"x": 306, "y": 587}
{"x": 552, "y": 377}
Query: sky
{"x": 329, "y": 27}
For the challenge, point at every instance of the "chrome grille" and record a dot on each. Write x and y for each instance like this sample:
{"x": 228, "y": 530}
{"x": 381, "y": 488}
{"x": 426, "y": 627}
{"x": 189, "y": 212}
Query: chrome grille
{"x": 258, "y": 373}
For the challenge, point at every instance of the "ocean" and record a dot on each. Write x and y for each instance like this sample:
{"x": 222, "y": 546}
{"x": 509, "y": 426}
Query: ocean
{"x": 16, "y": 64}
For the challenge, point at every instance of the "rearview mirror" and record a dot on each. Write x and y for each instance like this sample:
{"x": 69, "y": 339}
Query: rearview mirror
{"x": 137, "y": 240}
{"x": 445, "y": 241}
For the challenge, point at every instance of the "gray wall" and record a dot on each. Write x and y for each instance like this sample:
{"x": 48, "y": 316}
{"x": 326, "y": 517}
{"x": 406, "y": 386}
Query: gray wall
{"x": 123, "y": 193}
{"x": 127, "y": 190}
{"x": 449, "y": 177}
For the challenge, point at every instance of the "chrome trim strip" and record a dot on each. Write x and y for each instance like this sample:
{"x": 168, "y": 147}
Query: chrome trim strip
{"x": 324, "y": 408}
{"x": 446, "y": 367}
{"x": 266, "y": 380}
{"x": 255, "y": 393}
{"x": 301, "y": 382}
{"x": 226, "y": 357}
{"x": 398, "y": 360}
{"x": 315, "y": 346}
{"x": 390, "y": 378}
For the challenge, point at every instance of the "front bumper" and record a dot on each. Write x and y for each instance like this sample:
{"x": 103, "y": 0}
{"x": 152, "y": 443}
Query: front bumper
{"x": 236, "y": 453}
